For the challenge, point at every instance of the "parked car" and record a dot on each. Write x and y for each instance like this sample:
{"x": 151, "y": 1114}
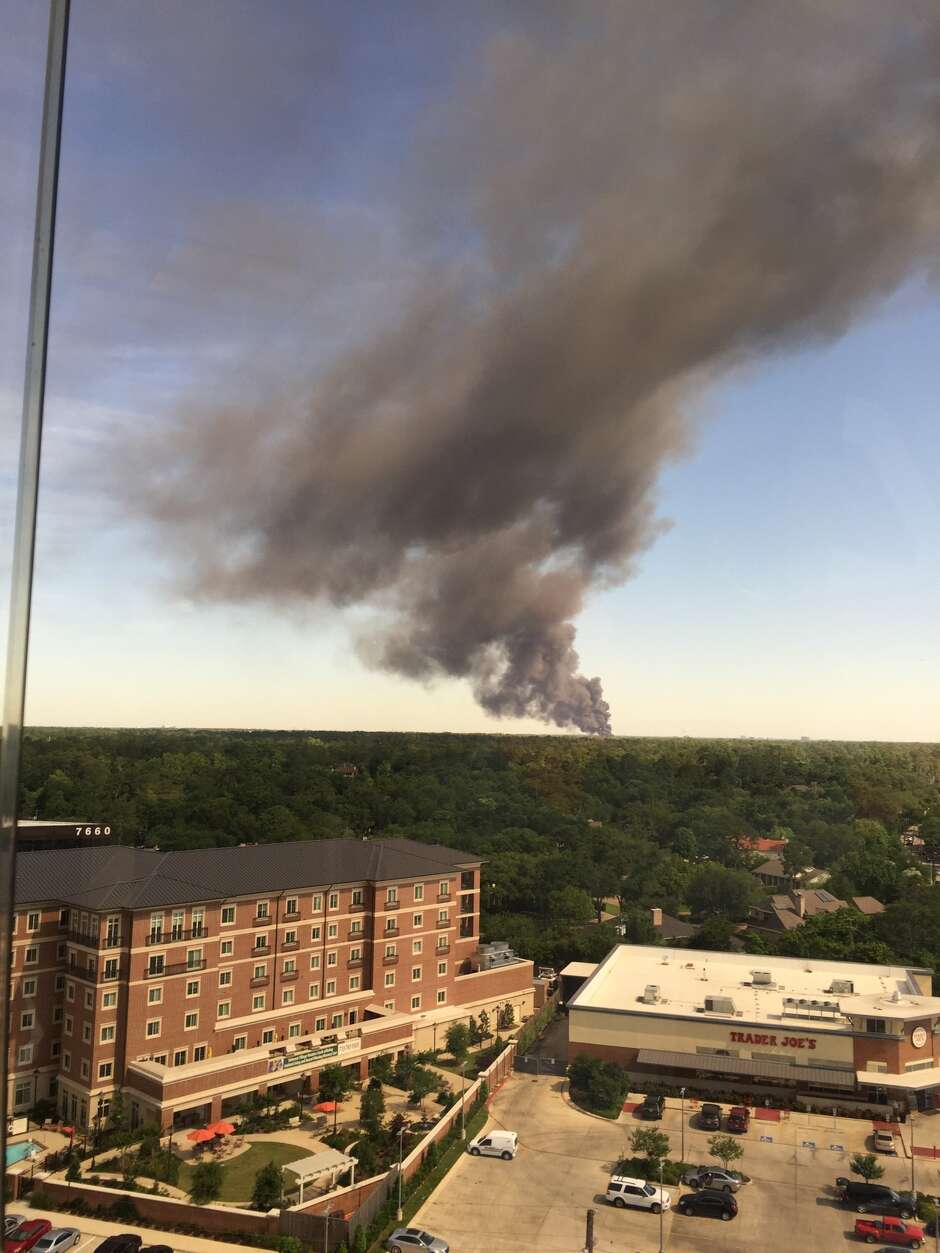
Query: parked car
{"x": 494, "y": 1144}
{"x": 712, "y": 1177}
{"x": 126, "y": 1242}
{"x": 623, "y": 1191}
{"x": 24, "y": 1236}
{"x": 739, "y": 1118}
{"x": 11, "y": 1222}
{"x": 156, "y": 1248}
{"x": 405, "y": 1238}
{"x": 651, "y": 1107}
{"x": 875, "y": 1198}
{"x": 889, "y": 1231}
{"x": 709, "y": 1202}
{"x": 57, "y": 1240}
{"x": 884, "y": 1142}
{"x": 709, "y": 1117}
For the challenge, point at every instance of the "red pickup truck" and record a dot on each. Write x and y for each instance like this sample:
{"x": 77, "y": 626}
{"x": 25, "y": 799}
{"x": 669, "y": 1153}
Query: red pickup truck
{"x": 889, "y": 1231}
{"x": 739, "y": 1118}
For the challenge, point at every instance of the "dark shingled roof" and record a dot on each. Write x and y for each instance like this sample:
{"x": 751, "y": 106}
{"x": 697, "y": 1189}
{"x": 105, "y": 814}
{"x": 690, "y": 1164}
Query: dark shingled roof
{"x": 137, "y": 878}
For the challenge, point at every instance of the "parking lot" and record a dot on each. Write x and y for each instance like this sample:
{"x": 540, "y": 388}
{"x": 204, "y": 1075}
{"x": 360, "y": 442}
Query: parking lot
{"x": 94, "y": 1231}
{"x": 539, "y": 1200}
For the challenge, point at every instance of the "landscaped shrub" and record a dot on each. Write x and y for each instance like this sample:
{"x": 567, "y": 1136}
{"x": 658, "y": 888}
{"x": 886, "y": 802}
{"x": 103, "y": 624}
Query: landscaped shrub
{"x": 124, "y": 1210}
{"x": 42, "y": 1200}
{"x": 597, "y": 1085}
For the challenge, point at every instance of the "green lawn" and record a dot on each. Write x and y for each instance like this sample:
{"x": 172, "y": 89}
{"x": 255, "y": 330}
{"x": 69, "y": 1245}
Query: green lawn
{"x": 238, "y": 1175}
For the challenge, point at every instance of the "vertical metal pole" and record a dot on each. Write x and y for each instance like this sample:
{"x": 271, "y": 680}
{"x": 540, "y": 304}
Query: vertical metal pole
{"x": 913, "y": 1189}
{"x": 589, "y": 1233}
{"x": 662, "y": 1247}
{"x": 24, "y": 539}
{"x": 401, "y": 1134}
{"x": 682, "y": 1150}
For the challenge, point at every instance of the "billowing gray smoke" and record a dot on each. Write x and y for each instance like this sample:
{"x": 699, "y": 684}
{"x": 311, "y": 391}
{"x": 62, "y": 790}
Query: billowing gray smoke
{"x": 641, "y": 196}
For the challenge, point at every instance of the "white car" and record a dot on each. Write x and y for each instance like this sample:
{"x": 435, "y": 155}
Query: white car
{"x": 623, "y": 1191}
{"x": 58, "y": 1239}
{"x": 884, "y": 1142}
{"x": 494, "y": 1144}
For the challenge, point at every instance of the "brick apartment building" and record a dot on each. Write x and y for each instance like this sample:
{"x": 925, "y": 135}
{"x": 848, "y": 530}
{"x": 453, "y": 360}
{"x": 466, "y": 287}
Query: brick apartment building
{"x": 188, "y": 979}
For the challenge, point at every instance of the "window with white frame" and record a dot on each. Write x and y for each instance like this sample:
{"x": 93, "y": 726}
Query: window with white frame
{"x": 260, "y": 971}
{"x": 262, "y": 909}
{"x": 223, "y": 1009}
{"x": 267, "y": 1035}
{"x": 261, "y": 939}
{"x": 107, "y": 1033}
{"x": 153, "y": 1026}
{"x": 313, "y": 992}
{"x": 200, "y": 1052}
{"x": 390, "y": 978}
{"x": 355, "y": 954}
{"x": 389, "y": 1005}
{"x": 292, "y": 905}
{"x": 442, "y": 968}
{"x": 257, "y": 1002}
{"x": 320, "y": 1024}
{"x": 417, "y": 921}
{"x": 333, "y": 900}
{"x": 225, "y": 978}
{"x": 179, "y": 1057}
{"x": 355, "y": 926}
{"x": 70, "y": 991}
{"x": 227, "y": 916}
{"x": 415, "y": 974}
{"x": 84, "y": 1069}
{"x": 293, "y": 1031}
{"x": 191, "y": 1020}
{"x": 109, "y": 1000}
{"x": 69, "y": 1024}
{"x": 227, "y": 948}
{"x": 290, "y": 937}
{"x": 356, "y": 897}
{"x": 419, "y": 891}
{"x": 443, "y": 915}
{"x": 331, "y": 987}
{"x": 354, "y": 983}
{"x": 89, "y": 998}
{"x": 240, "y": 1042}
{"x": 441, "y": 996}
{"x": 316, "y": 902}
{"x": 331, "y": 957}
{"x": 315, "y": 933}
{"x": 155, "y": 995}
{"x": 332, "y": 931}
{"x": 290, "y": 966}
{"x": 336, "y": 1020}
{"x": 416, "y": 1002}
{"x": 192, "y": 987}
{"x": 31, "y": 956}
{"x": 27, "y": 1018}
{"x": 391, "y": 950}
{"x": 417, "y": 946}
{"x": 32, "y": 921}
{"x": 287, "y": 996}
{"x": 86, "y": 1033}
{"x": 59, "y": 984}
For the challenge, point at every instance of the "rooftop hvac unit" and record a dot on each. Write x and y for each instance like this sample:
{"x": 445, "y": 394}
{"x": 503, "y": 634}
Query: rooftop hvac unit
{"x": 762, "y": 978}
{"x": 496, "y": 954}
{"x": 650, "y": 994}
{"x": 719, "y": 1005}
{"x": 844, "y": 986}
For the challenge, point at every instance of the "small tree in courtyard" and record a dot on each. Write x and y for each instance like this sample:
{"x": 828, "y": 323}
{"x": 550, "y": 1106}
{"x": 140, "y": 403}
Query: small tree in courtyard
{"x": 335, "y": 1083}
{"x": 74, "y": 1169}
{"x": 269, "y": 1187}
{"x": 506, "y": 1017}
{"x": 485, "y": 1029}
{"x": 371, "y": 1109}
{"x": 423, "y": 1082}
{"x": 474, "y": 1032}
{"x": 866, "y": 1165}
{"x": 458, "y": 1040}
{"x": 206, "y": 1184}
{"x": 726, "y": 1149}
{"x": 653, "y": 1144}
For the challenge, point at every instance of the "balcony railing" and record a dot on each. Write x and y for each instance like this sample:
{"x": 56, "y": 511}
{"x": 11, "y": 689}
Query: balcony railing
{"x": 443, "y": 922}
{"x": 356, "y": 935}
{"x": 259, "y": 981}
{"x": 356, "y": 907}
{"x": 442, "y": 948}
{"x": 93, "y": 941}
{"x": 176, "y": 935}
{"x": 288, "y": 976}
{"x": 289, "y": 945}
{"x": 392, "y": 930}
{"x": 444, "y": 896}
{"x": 353, "y": 963}
{"x": 292, "y": 915}
{"x": 393, "y": 904}
{"x": 260, "y": 949}
{"x": 175, "y": 968}
{"x": 390, "y": 960}
{"x": 261, "y": 920}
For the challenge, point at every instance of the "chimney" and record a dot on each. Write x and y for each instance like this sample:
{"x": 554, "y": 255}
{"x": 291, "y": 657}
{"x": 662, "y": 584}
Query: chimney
{"x": 656, "y": 916}
{"x": 799, "y": 904}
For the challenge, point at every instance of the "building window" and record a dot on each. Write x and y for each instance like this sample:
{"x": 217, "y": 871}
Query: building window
{"x": 153, "y": 1027}
{"x": 320, "y": 1024}
{"x": 156, "y": 929}
{"x": 227, "y": 948}
{"x": 109, "y": 1000}
{"x": 89, "y": 999}
{"x": 64, "y": 917}
{"x": 356, "y": 897}
{"x": 391, "y": 950}
{"x": 313, "y": 992}
{"x": 389, "y": 1005}
{"x": 191, "y": 1020}
{"x": 66, "y": 1060}
{"x": 316, "y": 902}
{"x": 192, "y": 987}
{"x": 417, "y": 921}
{"x": 107, "y": 1033}
{"x": 466, "y": 904}
{"x": 443, "y": 888}
{"x": 466, "y": 880}
{"x": 356, "y": 926}
{"x": 287, "y": 996}
{"x": 416, "y": 946}
{"x": 355, "y": 954}
{"x": 332, "y": 931}
{"x": 267, "y": 1035}
{"x": 293, "y": 1031}
{"x": 926, "y": 1064}
{"x": 333, "y": 900}
{"x": 55, "y": 1048}
{"x": 261, "y": 940}
{"x": 416, "y": 1002}
{"x": 415, "y": 974}
{"x": 69, "y": 1023}
{"x": 111, "y": 968}
{"x": 261, "y": 910}
{"x": 194, "y": 959}
{"x": 315, "y": 934}
{"x": 352, "y": 1017}
{"x": 23, "y": 1093}
{"x": 177, "y": 924}
{"x": 292, "y": 905}
{"x": 31, "y": 956}
{"x": 155, "y": 965}
{"x": 314, "y": 961}
{"x": 60, "y": 952}
{"x": 224, "y": 1009}
{"x": 336, "y": 1020}
{"x": 442, "y": 968}
{"x": 391, "y": 896}
{"x": 331, "y": 957}
{"x": 155, "y": 995}
{"x": 160, "y": 1059}
{"x": 876, "y": 1026}
{"x": 70, "y": 991}
{"x": 84, "y": 1068}
{"x": 443, "y": 916}
{"x": 225, "y": 978}
{"x": 257, "y": 1002}
{"x": 27, "y": 1019}
{"x": 354, "y": 983}
{"x": 199, "y": 1053}
{"x": 179, "y": 1057}
{"x": 290, "y": 937}
{"x": 331, "y": 987}
{"x": 879, "y": 1068}
{"x": 240, "y": 1042}
{"x": 227, "y": 917}
{"x": 60, "y": 983}
{"x": 441, "y": 996}
{"x": 32, "y": 922}
{"x": 260, "y": 971}
{"x": 390, "y": 978}
{"x": 198, "y": 923}
{"x": 86, "y": 1033}
{"x": 466, "y": 928}
{"x": 419, "y": 891}
{"x": 290, "y": 966}
{"x": 57, "y": 1013}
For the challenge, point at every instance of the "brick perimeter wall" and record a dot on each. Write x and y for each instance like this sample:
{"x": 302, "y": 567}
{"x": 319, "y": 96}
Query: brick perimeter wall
{"x": 166, "y": 1212}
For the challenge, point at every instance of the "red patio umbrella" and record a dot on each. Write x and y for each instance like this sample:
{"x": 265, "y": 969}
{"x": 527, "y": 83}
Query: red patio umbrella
{"x": 326, "y": 1107}
{"x": 222, "y": 1128}
{"x": 200, "y": 1135}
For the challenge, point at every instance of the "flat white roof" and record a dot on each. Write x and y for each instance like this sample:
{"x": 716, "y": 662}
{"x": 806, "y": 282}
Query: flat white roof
{"x": 579, "y": 970}
{"x": 685, "y": 977}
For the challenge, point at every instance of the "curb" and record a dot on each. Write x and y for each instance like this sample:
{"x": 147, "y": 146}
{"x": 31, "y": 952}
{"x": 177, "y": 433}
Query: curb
{"x": 565, "y": 1096}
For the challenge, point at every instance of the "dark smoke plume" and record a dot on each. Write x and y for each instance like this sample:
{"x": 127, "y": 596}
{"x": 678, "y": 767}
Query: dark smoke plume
{"x": 645, "y": 194}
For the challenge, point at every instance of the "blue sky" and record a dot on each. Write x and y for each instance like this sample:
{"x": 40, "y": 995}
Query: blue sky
{"x": 241, "y": 192}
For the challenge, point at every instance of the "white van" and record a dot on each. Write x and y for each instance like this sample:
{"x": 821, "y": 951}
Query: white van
{"x": 494, "y": 1144}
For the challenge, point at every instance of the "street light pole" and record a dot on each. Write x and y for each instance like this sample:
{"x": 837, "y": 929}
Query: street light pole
{"x": 913, "y": 1189}
{"x": 682, "y": 1151}
{"x": 463, "y": 1098}
{"x": 662, "y": 1248}
{"x": 401, "y": 1133}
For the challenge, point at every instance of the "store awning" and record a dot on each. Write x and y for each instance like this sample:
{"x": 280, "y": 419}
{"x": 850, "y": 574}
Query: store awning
{"x": 911, "y": 1080}
{"x": 717, "y": 1063}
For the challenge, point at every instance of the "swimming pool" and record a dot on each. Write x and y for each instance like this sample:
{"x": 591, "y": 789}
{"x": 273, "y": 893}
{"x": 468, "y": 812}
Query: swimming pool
{"x": 16, "y": 1152}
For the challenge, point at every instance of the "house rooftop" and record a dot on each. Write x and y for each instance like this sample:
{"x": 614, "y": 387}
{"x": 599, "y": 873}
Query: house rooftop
{"x": 114, "y": 877}
{"x": 778, "y": 991}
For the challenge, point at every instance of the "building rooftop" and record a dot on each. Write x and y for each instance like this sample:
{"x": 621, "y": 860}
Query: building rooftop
{"x": 781, "y": 991}
{"x": 114, "y": 877}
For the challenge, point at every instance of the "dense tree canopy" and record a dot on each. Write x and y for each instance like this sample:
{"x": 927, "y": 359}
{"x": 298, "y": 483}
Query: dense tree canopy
{"x": 568, "y": 827}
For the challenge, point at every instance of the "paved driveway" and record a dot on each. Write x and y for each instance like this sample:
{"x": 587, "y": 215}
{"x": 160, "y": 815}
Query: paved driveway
{"x": 539, "y": 1200}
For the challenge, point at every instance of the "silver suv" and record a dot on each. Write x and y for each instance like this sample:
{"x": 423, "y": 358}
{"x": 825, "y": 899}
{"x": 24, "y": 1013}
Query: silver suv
{"x": 406, "y": 1239}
